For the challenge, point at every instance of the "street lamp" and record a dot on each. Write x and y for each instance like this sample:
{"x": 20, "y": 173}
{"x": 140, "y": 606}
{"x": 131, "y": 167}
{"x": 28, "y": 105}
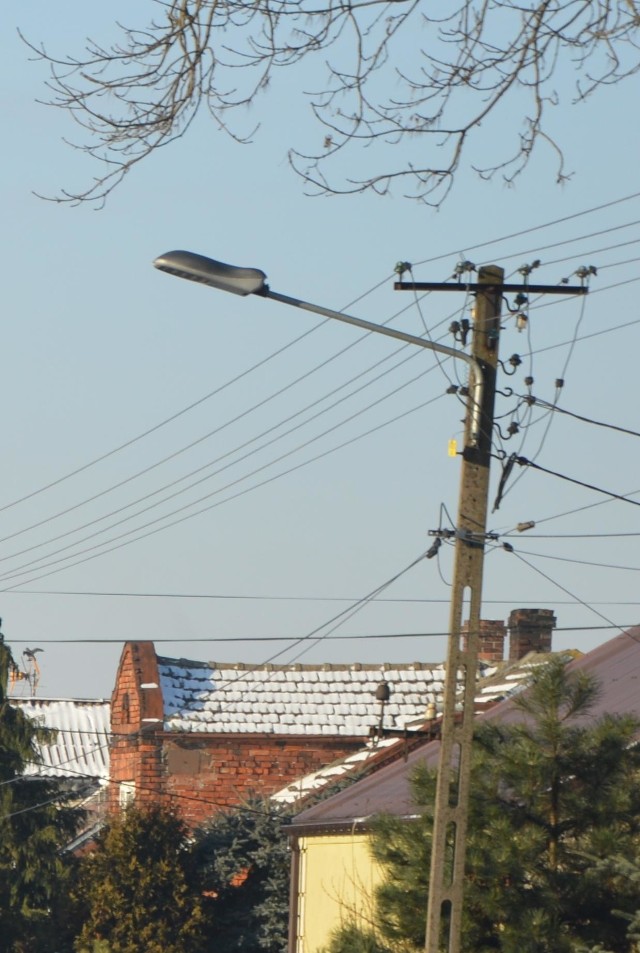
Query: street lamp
{"x": 253, "y": 281}
{"x": 446, "y": 878}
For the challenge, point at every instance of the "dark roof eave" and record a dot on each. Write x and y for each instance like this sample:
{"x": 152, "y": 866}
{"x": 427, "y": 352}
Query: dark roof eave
{"x": 328, "y": 741}
{"x": 348, "y": 825}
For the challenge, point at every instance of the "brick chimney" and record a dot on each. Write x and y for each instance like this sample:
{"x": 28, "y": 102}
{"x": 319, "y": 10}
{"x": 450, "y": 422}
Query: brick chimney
{"x": 530, "y": 630}
{"x": 491, "y": 638}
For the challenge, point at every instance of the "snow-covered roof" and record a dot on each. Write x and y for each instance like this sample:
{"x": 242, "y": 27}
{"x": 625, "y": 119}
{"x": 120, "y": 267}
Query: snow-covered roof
{"x": 331, "y": 700}
{"x": 509, "y": 677}
{"x": 80, "y": 748}
{"x": 332, "y": 774}
{"x": 496, "y": 682}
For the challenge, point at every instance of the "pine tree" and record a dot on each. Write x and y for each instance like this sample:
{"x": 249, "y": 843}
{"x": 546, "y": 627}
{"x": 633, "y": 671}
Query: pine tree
{"x": 152, "y": 886}
{"x": 138, "y": 891}
{"x": 244, "y": 863}
{"x": 553, "y": 798}
{"x": 558, "y": 793}
{"x": 35, "y": 825}
{"x": 627, "y": 870}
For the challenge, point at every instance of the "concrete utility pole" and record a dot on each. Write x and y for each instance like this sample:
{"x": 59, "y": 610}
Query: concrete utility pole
{"x": 452, "y": 790}
{"x": 446, "y": 881}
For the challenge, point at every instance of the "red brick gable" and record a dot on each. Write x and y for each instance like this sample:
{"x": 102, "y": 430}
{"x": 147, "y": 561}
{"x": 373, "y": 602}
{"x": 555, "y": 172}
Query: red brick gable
{"x": 136, "y": 721}
{"x": 198, "y": 772}
{"x": 137, "y": 697}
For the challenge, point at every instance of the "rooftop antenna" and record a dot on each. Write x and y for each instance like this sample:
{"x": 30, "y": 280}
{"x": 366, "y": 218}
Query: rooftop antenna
{"x": 30, "y": 671}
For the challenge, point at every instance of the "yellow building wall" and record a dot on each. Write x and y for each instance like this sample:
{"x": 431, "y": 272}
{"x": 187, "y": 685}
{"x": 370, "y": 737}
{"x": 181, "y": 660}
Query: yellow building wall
{"x": 337, "y": 877}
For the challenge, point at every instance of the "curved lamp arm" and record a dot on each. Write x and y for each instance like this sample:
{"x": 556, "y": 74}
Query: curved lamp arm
{"x": 248, "y": 281}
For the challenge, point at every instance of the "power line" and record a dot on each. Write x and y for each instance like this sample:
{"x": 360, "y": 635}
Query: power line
{"x": 573, "y": 241}
{"x": 314, "y": 637}
{"x": 250, "y": 639}
{"x": 236, "y": 449}
{"x": 216, "y": 431}
{"x": 331, "y": 624}
{"x": 545, "y": 434}
{"x": 535, "y": 228}
{"x": 199, "y": 595}
{"x": 593, "y": 334}
{"x": 587, "y": 420}
{"x": 192, "y": 504}
{"x": 219, "y": 459}
{"x": 145, "y": 788}
{"x": 226, "y": 487}
{"x": 262, "y": 598}
{"x": 162, "y": 423}
{"x": 17, "y": 571}
{"x": 618, "y": 264}
{"x": 579, "y": 562}
{"x": 210, "y": 506}
{"x": 581, "y": 509}
{"x": 200, "y": 400}
{"x": 218, "y": 390}
{"x": 592, "y": 291}
{"x": 192, "y": 444}
{"x": 310, "y": 331}
{"x": 572, "y": 535}
{"x": 309, "y": 640}
{"x": 523, "y": 462}
{"x": 554, "y": 582}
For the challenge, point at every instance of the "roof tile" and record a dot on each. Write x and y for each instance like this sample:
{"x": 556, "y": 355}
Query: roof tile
{"x": 327, "y": 699}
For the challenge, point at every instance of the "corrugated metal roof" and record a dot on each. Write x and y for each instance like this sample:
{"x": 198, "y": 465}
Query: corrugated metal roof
{"x": 615, "y": 665}
{"x": 81, "y": 746}
{"x": 325, "y": 699}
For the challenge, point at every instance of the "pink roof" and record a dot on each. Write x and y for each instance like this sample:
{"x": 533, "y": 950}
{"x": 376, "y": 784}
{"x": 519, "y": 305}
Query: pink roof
{"x": 616, "y": 666}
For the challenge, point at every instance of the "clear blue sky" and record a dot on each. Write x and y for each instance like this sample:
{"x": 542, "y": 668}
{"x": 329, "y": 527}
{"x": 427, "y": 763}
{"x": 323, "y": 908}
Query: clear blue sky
{"x": 98, "y": 348}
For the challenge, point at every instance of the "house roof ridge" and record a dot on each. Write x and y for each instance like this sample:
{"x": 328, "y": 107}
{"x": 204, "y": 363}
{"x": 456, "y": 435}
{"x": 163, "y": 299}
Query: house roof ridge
{"x": 304, "y": 666}
{"x": 58, "y": 698}
{"x": 192, "y": 663}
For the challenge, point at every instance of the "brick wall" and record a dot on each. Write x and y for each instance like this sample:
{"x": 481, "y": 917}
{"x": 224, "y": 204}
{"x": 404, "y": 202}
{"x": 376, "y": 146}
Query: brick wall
{"x": 203, "y": 774}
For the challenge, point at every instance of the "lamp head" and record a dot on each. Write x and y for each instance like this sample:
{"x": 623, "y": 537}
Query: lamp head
{"x": 216, "y": 274}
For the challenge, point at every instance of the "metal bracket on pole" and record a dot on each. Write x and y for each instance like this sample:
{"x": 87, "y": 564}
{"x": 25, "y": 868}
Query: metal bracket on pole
{"x": 475, "y": 286}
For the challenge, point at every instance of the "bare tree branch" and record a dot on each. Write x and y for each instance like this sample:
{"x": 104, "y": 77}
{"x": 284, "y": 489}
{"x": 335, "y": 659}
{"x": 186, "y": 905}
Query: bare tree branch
{"x": 415, "y": 84}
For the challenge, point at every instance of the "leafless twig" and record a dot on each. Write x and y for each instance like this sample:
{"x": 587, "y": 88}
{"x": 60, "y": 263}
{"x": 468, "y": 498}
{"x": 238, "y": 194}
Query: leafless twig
{"x": 416, "y": 84}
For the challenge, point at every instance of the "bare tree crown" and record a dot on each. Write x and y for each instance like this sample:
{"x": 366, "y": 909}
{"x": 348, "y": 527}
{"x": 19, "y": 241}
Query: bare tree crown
{"x": 421, "y": 77}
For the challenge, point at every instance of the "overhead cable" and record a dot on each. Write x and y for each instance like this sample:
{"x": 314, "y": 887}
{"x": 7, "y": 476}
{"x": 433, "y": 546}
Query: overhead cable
{"x": 523, "y": 462}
